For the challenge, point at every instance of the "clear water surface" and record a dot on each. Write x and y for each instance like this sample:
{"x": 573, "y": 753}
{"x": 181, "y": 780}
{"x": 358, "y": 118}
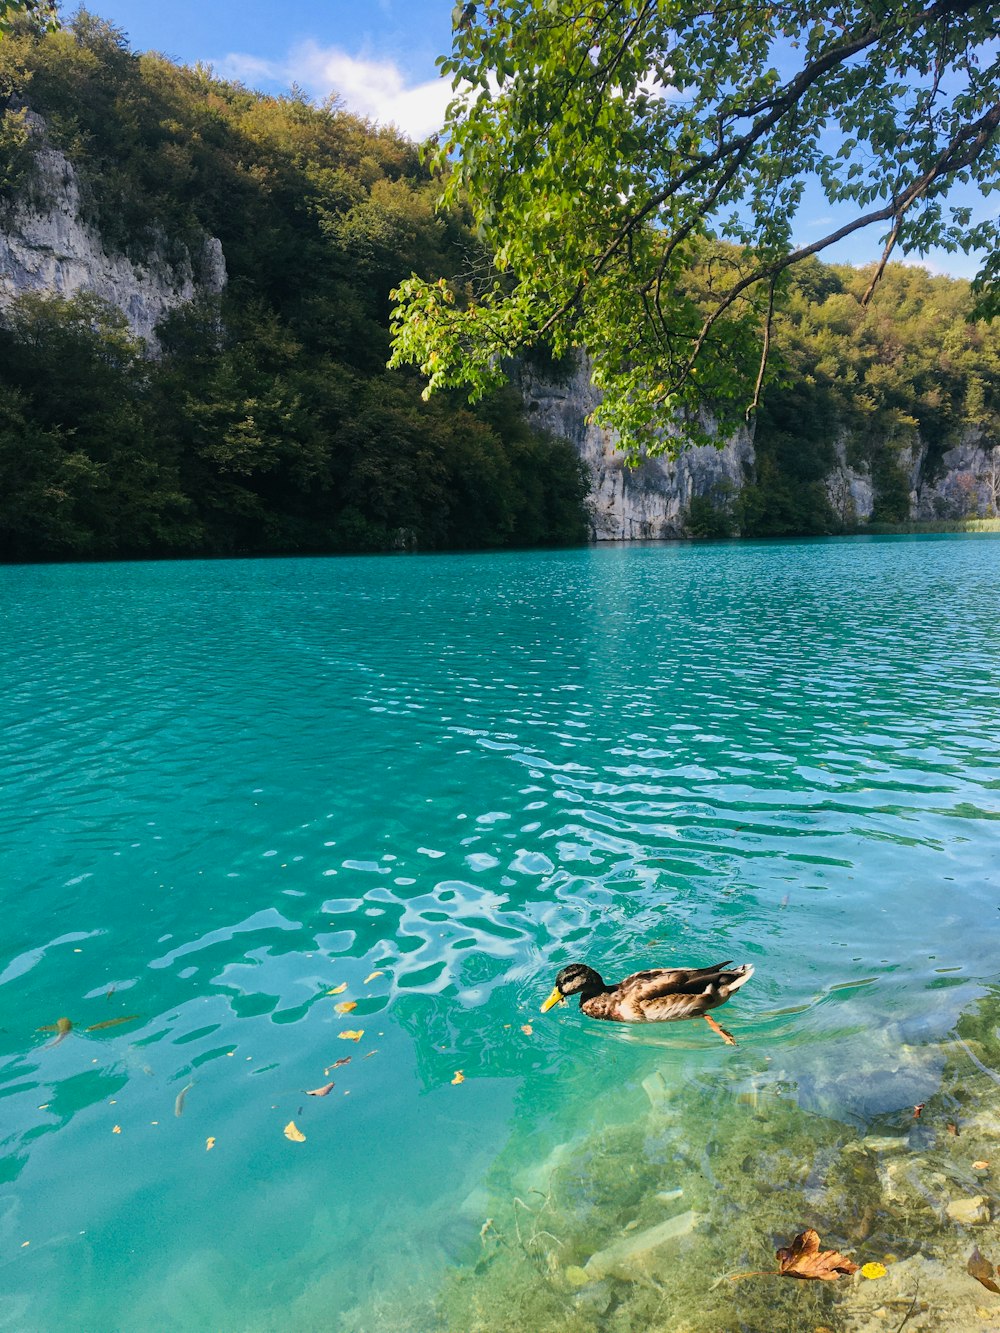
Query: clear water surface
{"x": 232, "y": 788}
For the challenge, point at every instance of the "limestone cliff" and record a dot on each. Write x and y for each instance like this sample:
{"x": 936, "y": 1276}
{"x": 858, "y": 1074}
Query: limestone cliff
{"x": 626, "y": 503}
{"x": 47, "y": 245}
{"x": 651, "y": 501}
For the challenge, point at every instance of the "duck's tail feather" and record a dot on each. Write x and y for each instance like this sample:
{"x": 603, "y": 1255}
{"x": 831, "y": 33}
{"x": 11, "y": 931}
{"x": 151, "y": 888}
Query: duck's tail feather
{"x": 741, "y": 975}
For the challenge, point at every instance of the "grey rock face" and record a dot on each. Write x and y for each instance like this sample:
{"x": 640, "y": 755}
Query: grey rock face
{"x": 47, "y": 246}
{"x": 651, "y": 500}
{"x": 968, "y": 485}
{"x": 648, "y": 501}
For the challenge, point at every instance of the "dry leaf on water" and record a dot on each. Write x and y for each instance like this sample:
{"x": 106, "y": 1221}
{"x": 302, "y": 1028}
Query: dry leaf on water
{"x": 372, "y": 975}
{"x": 346, "y": 1006}
{"x": 872, "y": 1271}
{"x": 209, "y": 1144}
{"x": 982, "y": 1270}
{"x": 527, "y": 1029}
{"x": 112, "y": 1022}
{"x": 116, "y": 1129}
{"x": 344, "y": 1060}
{"x": 351, "y": 1034}
{"x": 917, "y": 1109}
{"x": 952, "y": 1129}
{"x": 803, "y": 1258}
{"x": 338, "y": 990}
{"x": 293, "y": 1132}
{"x": 459, "y": 1077}
{"x": 324, "y": 1091}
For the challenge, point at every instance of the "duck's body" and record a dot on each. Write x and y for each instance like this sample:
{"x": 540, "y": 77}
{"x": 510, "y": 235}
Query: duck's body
{"x": 661, "y": 995}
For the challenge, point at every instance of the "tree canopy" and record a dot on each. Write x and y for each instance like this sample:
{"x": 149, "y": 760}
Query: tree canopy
{"x": 42, "y": 11}
{"x": 635, "y": 169}
{"x": 265, "y": 419}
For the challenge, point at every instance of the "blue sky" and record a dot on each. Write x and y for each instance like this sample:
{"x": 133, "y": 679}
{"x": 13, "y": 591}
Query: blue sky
{"x": 379, "y": 56}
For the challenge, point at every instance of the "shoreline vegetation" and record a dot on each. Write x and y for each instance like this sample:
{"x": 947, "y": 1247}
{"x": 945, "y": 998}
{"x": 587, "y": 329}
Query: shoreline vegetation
{"x": 917, "y": 526}
{"x": 265, "y": 422}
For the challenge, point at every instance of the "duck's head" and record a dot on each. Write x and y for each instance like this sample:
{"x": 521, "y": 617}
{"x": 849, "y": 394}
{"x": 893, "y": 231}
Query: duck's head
{"x": 573, "y": 980}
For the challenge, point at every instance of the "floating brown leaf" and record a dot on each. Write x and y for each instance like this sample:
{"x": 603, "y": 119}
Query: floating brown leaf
{"x": 116, "y": 1129}
{"x": 112, "y": 1022}
{"x": 372, "y": 975}
{"x": 952, "y": 1129}
{"x": 346, "y": 1006}
{"x": 344, "y": 1060}
{"x": 980, "y": 1166}
{"x": 209, "y": 1144}
{"x": 324, "y": 1091}
{"x": 917, "y": 1109}
{"x": 982, "y": 1270}
{"x": 293, "y": 1132}
{"x": 803, "y": 1258}
{"x": 338, "y": 990}
{"x": 527, "y": 1029}
{"x": 351, "y": 1034}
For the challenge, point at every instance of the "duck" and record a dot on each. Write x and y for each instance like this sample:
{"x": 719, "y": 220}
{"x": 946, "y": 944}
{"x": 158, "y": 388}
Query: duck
{"x": 660, "y": 995}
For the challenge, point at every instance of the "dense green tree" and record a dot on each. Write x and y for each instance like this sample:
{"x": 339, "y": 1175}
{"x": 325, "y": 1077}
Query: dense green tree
{"x": 607, "y": 147}
{"x": 265, "y": 420}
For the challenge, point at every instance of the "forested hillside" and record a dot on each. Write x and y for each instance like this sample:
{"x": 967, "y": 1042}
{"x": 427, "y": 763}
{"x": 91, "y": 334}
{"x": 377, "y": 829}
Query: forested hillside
{"x": 907, "y": 374}
{"x": 268, "y": 421}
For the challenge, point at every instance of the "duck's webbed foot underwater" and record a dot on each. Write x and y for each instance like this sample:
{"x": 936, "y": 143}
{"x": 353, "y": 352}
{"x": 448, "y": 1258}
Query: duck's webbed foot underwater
{"x": 727, "y": 1037}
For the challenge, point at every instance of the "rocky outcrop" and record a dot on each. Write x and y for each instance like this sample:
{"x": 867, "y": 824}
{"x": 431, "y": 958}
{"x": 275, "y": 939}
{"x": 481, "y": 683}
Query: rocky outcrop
{"x": 652, "y": 500}
{"x": 850, "y": 490}
{"x": 47, "y": 245}
{"x": 628, "y": 503}
{"x": 966, "y": 484}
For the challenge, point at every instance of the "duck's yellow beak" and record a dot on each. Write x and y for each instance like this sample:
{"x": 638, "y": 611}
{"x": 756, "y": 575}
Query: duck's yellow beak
{"x": 555, "y": 998}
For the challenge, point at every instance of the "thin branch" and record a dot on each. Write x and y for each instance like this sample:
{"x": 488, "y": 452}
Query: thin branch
{"x": 738, "y": 149}
{"x": 764, "y": 351}
{"x": 977, "y": 136}
{"x": 890, "y": 245}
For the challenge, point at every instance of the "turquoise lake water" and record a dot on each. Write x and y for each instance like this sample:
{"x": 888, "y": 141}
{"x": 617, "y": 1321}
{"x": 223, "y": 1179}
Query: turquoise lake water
{"x": 233, "y": 787}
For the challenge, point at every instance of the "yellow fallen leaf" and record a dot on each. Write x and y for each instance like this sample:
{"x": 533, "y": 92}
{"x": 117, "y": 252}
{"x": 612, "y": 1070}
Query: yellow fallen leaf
{"x": 345, "y": 1006}
{"x": 980, "y": 1166}
{"x": 209, "y": 1144}
{"x": 117, "y": 1129}
{"x": 527, "y": 1029}
{"x": 338, "y": 990}
{"x": 873, "y": 1270}
{"x": 372, "y": 975}
{"x": 293, "y": 1132}
{"x": 351, "y": 1034}
{"x": 459, "y": 1077}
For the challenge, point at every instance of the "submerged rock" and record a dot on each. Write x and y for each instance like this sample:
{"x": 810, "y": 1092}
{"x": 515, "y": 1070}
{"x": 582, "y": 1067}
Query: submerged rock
{"x": 973, "y": 1212}
{"x": 630, "y": 1256}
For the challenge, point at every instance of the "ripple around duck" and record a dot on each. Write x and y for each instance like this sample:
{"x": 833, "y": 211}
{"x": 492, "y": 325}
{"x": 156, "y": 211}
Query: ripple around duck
{"x": 245, "y": 792}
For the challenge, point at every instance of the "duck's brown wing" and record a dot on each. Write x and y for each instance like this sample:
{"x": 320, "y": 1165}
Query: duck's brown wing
{"x": 668, "y": 994}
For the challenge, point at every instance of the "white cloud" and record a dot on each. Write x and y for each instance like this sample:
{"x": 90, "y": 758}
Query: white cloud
{"x": 374, "y": 88}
